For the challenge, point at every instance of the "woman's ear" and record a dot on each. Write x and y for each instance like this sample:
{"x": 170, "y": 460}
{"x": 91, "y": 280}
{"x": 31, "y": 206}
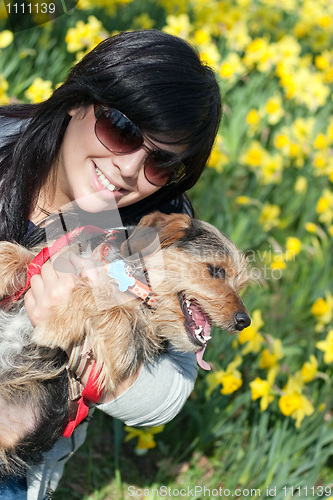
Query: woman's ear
{"x": 78, "y": 111}
{"x": 74, "y": 111}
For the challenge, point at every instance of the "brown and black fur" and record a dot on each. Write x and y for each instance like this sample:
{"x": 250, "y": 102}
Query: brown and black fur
{"x": 184, "y": 259}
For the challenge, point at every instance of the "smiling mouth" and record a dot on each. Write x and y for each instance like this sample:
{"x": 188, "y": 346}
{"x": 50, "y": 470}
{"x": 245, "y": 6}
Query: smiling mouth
{"x": 105, "y": 182}
{"x": 198, "y": 326}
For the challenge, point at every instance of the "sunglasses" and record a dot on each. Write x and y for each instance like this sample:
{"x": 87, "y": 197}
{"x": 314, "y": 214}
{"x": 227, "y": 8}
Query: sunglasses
{"x": 121, "y": 136}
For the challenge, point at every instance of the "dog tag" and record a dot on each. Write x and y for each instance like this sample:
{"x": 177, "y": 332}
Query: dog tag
{"x": 117, "y": 270}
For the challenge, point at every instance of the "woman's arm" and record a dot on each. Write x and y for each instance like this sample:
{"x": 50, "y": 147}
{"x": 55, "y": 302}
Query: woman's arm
{"x": 158, "y": 393}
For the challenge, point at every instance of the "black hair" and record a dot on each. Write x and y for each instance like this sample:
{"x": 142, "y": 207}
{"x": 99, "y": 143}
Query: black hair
{"x": 45, "y": 392}
{"x": 156, "y": 79}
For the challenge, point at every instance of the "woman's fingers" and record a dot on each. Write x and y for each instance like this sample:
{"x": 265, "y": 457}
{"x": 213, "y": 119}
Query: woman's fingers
{"x": 86, "y": 268}
{"x": 47, "y": 289}
{"x": 51, "y": 286}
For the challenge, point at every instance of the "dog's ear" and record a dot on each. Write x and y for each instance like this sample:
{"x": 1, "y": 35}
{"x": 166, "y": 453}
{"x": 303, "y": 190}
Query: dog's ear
{"x": 14, "y": 261}
{"x": 155, "y": 231}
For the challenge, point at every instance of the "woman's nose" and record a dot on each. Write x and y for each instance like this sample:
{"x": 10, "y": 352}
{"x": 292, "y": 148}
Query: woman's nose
{"x": 130, "y": 164}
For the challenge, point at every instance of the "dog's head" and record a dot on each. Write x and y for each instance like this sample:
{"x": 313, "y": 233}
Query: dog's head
{"x": 197, "y": 274}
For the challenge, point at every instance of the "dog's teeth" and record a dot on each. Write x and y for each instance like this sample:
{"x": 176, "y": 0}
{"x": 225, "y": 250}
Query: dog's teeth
{"x": 188, "y": 304}
{"x": 207, "y": 338}
{"x": 198, "y": 330}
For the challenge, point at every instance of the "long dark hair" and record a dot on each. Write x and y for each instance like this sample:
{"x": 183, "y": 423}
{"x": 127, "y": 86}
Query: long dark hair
{"x": 156, "y": 79}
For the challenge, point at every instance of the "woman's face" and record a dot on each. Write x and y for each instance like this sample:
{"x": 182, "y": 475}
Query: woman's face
{"x": 92, "y": 176}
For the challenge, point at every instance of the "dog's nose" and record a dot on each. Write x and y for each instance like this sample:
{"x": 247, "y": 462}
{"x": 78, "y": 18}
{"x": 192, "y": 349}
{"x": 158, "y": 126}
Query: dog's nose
{"x": 242, "y": 320}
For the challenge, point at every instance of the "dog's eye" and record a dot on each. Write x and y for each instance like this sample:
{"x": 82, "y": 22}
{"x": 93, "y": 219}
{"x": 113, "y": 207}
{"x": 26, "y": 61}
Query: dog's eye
{"x": 216, "y": 272}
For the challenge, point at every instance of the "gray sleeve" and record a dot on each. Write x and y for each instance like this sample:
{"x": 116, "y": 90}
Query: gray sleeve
{"x": 157, "y": 395}
{"x": 159, "y": 392}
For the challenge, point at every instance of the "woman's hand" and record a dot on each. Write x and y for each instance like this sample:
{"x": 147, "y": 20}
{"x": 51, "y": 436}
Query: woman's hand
{"x": 54, "y": 285}
{"x": 51, "y": 287}
{"x": 47, "y": 289}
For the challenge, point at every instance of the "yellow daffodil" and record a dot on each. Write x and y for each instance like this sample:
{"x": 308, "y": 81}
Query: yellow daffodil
{"x": 278, "y": 264}
{"x": 39, "y": 90}
{"x": 145, "y": 436}
{"x": 251, "y": 335}
{"x": 85, "y": 35}
{"x": 293, "y": 403}
{"x": 178, "y": 25}
{"x": 270, "y": 359}
{"x": 218, "y": 157}
{"x": 253, "y": 117}
{"x": 4, "y": 99}
{"x": 274, "y": 109}
{"x": 322, "y": 309}
{"x": 262, "y": 389}
{"x": 230, "y": 379}
{"x": 213, "y": 380}
{"x": 232, "y": 67}
{"x": 309, "y": 369}
{"x": 293, "y": 247}
{"x": 271, "y": 168}
{"x": 231, "y": 382}
{"x": 310, "y": 227}
{"x": 174, "y": 7}
{"x": 243, "y": 200}
{"x": 269, "y": 216}
{"x": 301, "y": 185}
{"x": 110, "y": 6}
{"x": 324, "y": 207}
{"x": 260, "y": 54}
{"x": 327, "y": 346}
{"x": 281, "y": 140}
{"x": 253, "y": 155}
{"x": 210, "y": 55}
{"x": 320, "y": 141}
{"x": 6, "y": 38}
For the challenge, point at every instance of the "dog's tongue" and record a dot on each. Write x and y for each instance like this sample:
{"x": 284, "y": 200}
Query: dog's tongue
{"x": 202, "y": 320}
{"x": 201, "y": 362}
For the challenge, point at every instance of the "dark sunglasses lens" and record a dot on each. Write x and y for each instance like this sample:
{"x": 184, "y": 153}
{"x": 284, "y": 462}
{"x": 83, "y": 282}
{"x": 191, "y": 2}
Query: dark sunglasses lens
{"x": 116, "y": 132}
{"x": 160, "y": 175}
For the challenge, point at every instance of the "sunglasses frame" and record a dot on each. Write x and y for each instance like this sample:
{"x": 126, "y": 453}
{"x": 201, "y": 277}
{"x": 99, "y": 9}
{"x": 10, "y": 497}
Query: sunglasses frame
{"x": 178, "y": 172}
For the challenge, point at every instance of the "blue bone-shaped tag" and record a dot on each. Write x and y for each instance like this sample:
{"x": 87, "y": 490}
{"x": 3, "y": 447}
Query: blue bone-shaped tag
{"x": 117, "y": 270}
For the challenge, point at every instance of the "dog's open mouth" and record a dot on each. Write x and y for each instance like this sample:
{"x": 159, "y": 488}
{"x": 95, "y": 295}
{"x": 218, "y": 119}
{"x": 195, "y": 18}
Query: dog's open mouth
{"x": 198, "y": 326}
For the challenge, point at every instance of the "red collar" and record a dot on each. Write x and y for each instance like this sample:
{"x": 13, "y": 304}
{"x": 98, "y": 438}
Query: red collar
{"x": 89, "y": 394}
{"x": 140, "y": 290}
{"x": 45, "y": 254}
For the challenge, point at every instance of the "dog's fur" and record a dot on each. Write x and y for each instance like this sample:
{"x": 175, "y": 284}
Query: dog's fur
{"x": 201, "y": 268}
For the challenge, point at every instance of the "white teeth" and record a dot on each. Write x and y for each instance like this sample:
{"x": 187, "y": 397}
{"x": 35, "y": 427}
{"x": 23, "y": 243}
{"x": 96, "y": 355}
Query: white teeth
{"x": 207, "y": 338}
{"x": 188, "y": 305}
{"x": 104, "y": 181}
{"x": 198, "y": 330}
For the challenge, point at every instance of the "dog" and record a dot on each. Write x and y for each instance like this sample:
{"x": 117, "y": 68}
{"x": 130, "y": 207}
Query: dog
{"x": 191, "y": 277}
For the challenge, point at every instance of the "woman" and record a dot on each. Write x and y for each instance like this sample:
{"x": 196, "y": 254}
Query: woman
{"x": 131, "y": 130}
